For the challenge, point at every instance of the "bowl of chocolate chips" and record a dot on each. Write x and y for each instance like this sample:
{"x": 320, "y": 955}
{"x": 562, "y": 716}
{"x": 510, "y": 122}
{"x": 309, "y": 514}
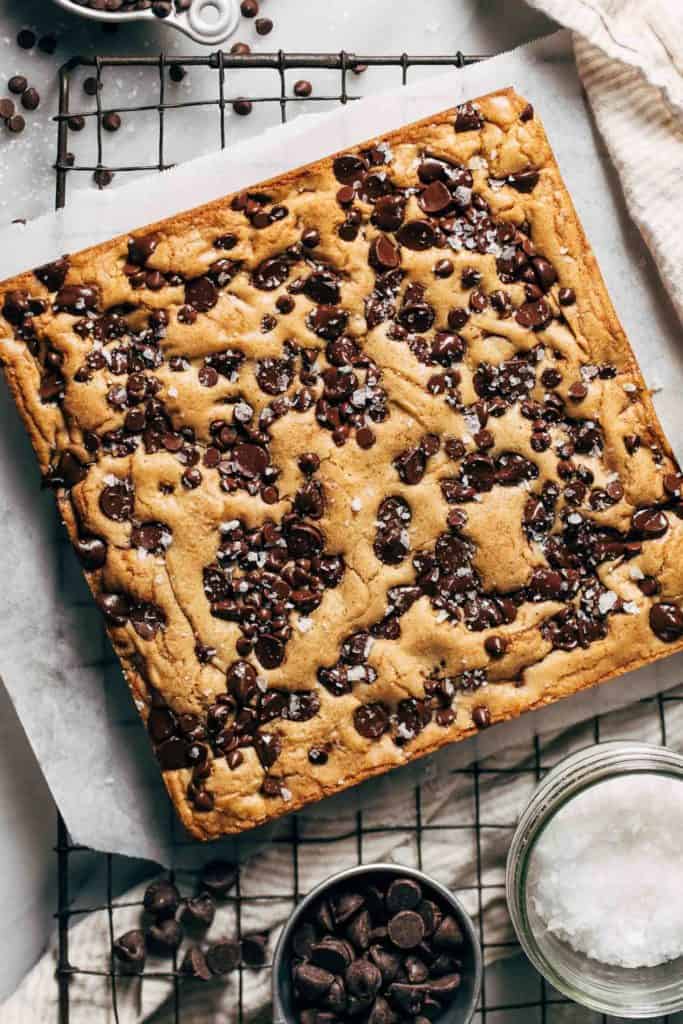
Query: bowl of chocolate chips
{"x": 378, "y": 943}
{"x": 205, "y": 21}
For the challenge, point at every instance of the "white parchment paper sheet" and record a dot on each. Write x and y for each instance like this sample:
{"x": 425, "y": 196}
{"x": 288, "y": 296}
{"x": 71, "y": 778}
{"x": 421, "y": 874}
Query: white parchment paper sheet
{"x": 54, "y": 658}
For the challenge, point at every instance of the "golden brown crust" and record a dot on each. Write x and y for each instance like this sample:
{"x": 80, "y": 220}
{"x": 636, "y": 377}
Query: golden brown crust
{"x": 74, "y": 391}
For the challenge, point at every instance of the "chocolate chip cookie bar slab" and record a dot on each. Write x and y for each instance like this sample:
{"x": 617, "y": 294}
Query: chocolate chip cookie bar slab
{"x": 357, "y": 462}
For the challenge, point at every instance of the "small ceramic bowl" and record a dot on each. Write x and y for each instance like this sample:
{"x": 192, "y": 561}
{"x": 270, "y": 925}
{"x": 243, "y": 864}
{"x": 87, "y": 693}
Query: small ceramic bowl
{"x": 460, "y": 1011}
{"x": 207, "y": 21}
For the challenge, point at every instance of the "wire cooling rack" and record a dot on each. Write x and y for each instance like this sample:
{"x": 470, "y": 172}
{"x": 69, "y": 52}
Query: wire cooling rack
{"x": 512, "y": 992}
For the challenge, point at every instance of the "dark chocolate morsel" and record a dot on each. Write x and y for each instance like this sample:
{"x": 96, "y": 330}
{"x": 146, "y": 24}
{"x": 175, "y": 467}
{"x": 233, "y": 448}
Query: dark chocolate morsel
{"x": 363, "y": 980}
{"x": 403, "y": 894}
{"x": 666, "y": 621}
{"x": 92, "y": 551}
{"x": 161, "y": 898}
{"x": 195, "y": 964}
{"x": 448, "y": 935}
{"x": 331, "y": 954}
{"x": 311, "y": 983}
{"x": 199, "y": 910}
{"x": 164, "y": 937}
{"x": 406, "y": 929}
{"x": 218, "y": 877}
{"x": 129, "y": 950}
{"x": 223, "y": 957}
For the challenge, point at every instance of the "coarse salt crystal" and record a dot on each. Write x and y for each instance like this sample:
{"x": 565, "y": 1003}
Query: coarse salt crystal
{"x": 636, "y": 573}
{"x": 356, "y": 504}
{"x": 304, "y": 624}
{"x": 606, "y": 874}
{"x": 607, "y": 601}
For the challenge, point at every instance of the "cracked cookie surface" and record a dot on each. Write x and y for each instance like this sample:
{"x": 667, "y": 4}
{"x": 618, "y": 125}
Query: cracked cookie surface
{"x": 356, "y": 462}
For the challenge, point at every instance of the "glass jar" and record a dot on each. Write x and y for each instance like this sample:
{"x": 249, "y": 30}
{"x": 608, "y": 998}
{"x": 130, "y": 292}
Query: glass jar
{"x": 633, "y": 992}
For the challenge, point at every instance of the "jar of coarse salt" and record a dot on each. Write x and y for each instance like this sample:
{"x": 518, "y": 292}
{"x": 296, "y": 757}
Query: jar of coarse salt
{"x": 595, "y": 879}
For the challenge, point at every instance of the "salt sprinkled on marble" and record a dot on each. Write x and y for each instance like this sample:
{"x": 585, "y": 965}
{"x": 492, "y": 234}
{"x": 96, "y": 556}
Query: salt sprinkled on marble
{"x": 606, "y": 875}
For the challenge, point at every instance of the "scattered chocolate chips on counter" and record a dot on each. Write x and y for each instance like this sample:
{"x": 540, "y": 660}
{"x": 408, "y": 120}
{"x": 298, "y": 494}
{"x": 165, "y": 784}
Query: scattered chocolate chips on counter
{"x": 381, "y": 951}
{"x": 168, "y": 918}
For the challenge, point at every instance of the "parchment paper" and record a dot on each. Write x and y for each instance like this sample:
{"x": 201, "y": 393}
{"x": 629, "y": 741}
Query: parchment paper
{"x": 54, "y": 657}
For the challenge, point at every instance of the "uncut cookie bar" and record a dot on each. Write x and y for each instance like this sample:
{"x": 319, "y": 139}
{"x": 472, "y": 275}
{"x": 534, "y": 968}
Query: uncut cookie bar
{"x": 356, "y": 462}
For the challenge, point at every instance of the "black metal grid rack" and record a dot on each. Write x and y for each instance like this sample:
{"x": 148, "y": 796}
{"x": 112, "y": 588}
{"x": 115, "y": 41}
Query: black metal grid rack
{"x": 530, "y": 1000}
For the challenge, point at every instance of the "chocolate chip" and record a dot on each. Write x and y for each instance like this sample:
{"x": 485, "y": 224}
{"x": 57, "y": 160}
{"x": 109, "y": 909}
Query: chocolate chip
{"x": 566, "y": 296}
{"x": 17, "y": 84}
{"x": 481, "y": 716}
{"x": 384, "y": 255}
{"x": 468, "y": 118}
{"x": 303, "y": 88}
{"x": 363, "y": 982}
{"x": 311, "y": 982}
{"x": 129, "y": 950}
{"x": 115, "y": 608}
{"x": 403, "y": 894}
{"x": 443, "y": 268}
{"x": 496, "y": 646}
{"x": 30, "y": 99}
{"x": 223, "y": 957}
{"x": 544, "y": 271}
{"x": 406, "y": 929}
{"x": 346, "y": 905}
{"x": 195, "y": 964}
{"x": 389, "y": 212}
{"x": 435, "y": 198}
{"x": 270, "y": 651}
{"x": 408, "y": 999}
{"x": 77, "y": 298}
{"x": 117, "y": 501}
{"x": 26, "y": 39}
{"x": 448, "y": 935}
{"x": 651, "y": 522}
{"x": 111, "y": 121}
{"x": 417, "y": 235}
{"x": 358, "y": 930}
{"x": 666, "y": 621}
{"x": 348, "y": 169}
{"x": 263, "y": 26}
{"x": 201, "y": 294}
{"x": 164, "y": 937}
{"x": 161, "y": 898}
{"x": 218, "y": 877}
{"x": 92, "y": 552}
{"x": 524, "y": 181}
{"x": 199, "y": 910}
{"x": 331, "y": 954}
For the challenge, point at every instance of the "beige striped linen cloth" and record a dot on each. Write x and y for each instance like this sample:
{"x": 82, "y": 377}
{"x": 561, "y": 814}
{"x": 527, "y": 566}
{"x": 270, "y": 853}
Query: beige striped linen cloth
{"x": 630, "y": 58}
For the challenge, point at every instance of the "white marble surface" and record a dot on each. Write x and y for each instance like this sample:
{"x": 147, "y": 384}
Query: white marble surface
{"x": 27, "y": 875}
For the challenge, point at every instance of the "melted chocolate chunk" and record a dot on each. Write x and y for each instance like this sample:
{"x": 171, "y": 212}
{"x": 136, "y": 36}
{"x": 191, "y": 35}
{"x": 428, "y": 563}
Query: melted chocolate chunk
{"x": 666, "y": 621}
{"x": 201, "y": 294}
{"x": 417, "y": 235}
{"x": 77, "y": 298}
{"x": 371, "y": 720}
{"x": 392, "y": 541}
{"x": 53, "y": 275}
{"x": 468, "y": 118}
{"x": 117, "y": 500}
{"x": 348, "y": 169}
